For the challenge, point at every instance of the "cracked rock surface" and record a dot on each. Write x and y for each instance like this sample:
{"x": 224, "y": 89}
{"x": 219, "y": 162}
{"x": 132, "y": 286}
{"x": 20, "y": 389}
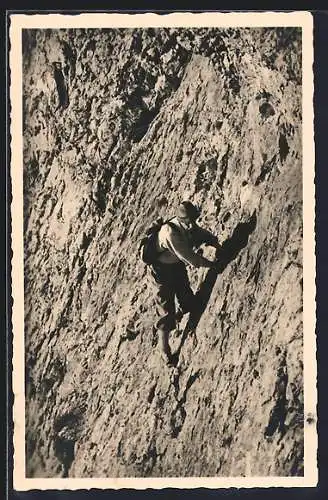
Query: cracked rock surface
{"x": 119, "y": 127}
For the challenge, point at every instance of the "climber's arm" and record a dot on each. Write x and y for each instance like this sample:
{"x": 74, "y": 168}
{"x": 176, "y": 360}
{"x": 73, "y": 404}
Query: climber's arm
{"x": 202, "y": 236}
{"x": 177, "y": 244}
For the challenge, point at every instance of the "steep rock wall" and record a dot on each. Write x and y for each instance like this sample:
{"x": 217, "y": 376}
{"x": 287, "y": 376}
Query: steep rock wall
{"x": 119, "y": 127}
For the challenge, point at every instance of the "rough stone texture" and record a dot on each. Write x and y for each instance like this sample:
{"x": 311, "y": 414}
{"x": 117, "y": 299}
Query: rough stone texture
{"x": 119, "y": 127}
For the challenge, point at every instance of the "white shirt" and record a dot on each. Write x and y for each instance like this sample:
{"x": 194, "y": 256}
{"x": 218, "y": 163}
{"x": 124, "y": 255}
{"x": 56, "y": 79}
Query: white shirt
{"x": 176, "y": 244}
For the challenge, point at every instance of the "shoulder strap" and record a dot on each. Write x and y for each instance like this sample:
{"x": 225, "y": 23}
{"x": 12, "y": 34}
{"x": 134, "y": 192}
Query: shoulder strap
{"x": 171, "y": 224}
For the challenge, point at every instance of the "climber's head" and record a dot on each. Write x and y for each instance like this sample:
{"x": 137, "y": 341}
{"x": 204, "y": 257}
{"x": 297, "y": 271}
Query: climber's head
{"x": 188, "y": 212}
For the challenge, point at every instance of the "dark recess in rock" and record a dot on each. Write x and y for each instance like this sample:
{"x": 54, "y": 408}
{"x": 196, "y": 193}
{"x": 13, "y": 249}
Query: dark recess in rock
{"x": 266, "y": 110}
{"x": 224, "y": 167}
{"x": 70, "y": 55}
{"x": 143, "y": 123}
{"x": 279, "y": 411}
{"x": 151, "y": 394}
{"x": 64, "y": 451}
{"x": 62, "y": 90}
{"x": 283, "y": 147}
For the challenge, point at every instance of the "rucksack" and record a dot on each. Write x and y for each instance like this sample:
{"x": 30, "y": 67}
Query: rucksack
{"x": 148, "y": 248}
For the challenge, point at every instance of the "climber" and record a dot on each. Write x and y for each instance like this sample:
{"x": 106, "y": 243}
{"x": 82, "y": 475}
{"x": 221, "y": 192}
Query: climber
{"x": 176, "y": 242}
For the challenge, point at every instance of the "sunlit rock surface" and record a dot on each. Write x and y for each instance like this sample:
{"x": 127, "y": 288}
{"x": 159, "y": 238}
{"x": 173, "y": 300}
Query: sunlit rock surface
{"x": 119, "y": 127}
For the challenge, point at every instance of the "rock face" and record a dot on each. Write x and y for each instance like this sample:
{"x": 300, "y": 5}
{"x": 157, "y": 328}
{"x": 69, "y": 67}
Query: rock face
{"x": 120, "y": 126}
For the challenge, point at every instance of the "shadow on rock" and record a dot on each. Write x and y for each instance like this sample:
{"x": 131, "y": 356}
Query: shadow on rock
{"x": 228, "y": 252}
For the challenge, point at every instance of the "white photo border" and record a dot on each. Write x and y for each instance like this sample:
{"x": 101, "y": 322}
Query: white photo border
{"x": 18, "y": 22}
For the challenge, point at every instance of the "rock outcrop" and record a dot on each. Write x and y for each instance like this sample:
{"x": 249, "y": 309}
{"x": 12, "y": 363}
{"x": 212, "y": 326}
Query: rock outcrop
{"x": 119, "y": 127}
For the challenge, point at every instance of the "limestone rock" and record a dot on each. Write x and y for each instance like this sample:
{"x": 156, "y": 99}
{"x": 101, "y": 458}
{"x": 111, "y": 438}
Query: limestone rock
{"x": 152, "y": 117}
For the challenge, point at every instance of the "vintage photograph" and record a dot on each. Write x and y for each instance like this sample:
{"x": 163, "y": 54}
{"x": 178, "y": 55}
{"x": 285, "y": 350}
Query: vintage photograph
{"x": 163, "y": 276}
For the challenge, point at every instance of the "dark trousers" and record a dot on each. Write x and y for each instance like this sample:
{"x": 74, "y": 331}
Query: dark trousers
{"x": 171, "y": 282}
